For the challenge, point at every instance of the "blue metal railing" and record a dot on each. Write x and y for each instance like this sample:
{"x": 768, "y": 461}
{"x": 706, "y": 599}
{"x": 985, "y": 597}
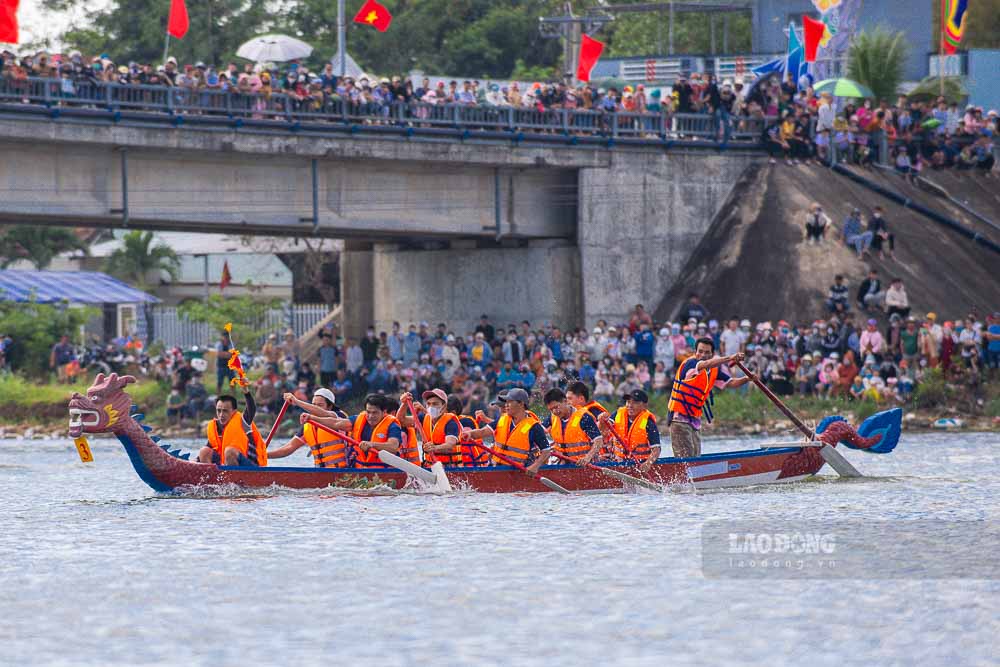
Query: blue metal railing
{"x": 233, "y": 105}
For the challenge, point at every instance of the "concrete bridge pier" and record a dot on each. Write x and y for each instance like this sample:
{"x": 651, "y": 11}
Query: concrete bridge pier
{"x": 538, "y": 280}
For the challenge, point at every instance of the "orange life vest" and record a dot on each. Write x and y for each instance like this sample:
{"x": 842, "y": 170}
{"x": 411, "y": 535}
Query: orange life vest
{"x": 435, "y": 433}
{"x": 570, "y": 440}
{"x": 380, "y": 434}
{"x": 516, "y": 446}
{"x": 590, "y": 407}
{"x": 635, "y": 437}
{"x": 502, "y": 431}
{"x": 233, "y": 436}
{"x": 473, "y": 456}
{"x": 409, "y": 448}
{"x": 688, "y": 397}
{"x": 328, "y": 450}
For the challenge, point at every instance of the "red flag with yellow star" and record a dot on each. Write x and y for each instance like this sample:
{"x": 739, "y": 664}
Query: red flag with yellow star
{"x": 375, "y": 15}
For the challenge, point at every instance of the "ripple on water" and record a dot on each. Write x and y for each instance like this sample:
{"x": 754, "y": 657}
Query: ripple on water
{"x": 224, "y": 576}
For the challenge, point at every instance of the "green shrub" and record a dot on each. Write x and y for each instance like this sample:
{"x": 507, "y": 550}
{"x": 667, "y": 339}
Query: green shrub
{"x": 35, "y": 328}
{"x": 933, "y": 391}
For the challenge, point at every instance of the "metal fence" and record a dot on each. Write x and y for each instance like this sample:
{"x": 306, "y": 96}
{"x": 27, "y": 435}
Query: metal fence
{"x": 173, "y": 330}
{"x": 208, "y": 105}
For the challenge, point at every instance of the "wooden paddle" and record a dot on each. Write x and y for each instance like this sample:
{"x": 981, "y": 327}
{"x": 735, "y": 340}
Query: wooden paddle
{"x": 277, "y": 421}
{"x": 829, "y": 454}
{"x": 511, "y": 462}
{"x": 385, "y": 457}
{"x": 620, "y": 476}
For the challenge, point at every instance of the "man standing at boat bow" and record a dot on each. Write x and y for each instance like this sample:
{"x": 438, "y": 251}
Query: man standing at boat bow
{"x": 692, "y": 388}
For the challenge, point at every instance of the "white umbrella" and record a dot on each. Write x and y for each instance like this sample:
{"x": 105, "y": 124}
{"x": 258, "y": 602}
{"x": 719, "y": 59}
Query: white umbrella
{"x": 274, "y": 48}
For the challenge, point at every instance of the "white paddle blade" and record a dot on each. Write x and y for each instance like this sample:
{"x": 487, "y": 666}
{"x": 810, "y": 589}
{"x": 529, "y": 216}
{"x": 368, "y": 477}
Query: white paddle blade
{"x": 393, "y": 461}
{"x": 838, "y": 462}
{"x": 441, "y": 483}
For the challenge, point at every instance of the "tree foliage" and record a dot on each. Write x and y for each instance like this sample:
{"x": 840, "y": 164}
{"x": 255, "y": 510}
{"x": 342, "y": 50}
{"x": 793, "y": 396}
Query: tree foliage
{"x": 248, "y": 315}
{"x": 135, "y": 29}
{"x": 466, "y": 38}
{"x": 138, "y": 258}
{"x": 36, "y": 327}
{"x": 649, "y": 33}
{"x": 37, "y": 244}
{"x": 877, "y": 59}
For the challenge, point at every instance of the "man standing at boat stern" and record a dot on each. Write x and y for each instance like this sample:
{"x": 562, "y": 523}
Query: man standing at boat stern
{"x": 690, "y": 397}
{"x": 233, "y": 439}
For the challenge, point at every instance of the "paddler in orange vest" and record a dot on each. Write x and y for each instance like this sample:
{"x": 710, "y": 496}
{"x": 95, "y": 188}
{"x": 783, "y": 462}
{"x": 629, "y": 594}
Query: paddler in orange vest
{"x": 574, "y": 431}
{"x": 694, "y": 382}
{"x": 326, "y": 449}
{"x": 517, "y": 433}
{"x": 578, "y": 395}
{"x": 375, "y": 429}
{"x": 233, "y": 439}
{"x": 441, "y": 428}
{"x": 472, "y": 456}
{"x": 636, "y": 428}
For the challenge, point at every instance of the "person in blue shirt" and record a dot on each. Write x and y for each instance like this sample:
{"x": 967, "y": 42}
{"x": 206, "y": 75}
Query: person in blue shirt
{"x": 507, "y": 378}
{"x": 645, "y": 345}
{"x": 992, "y": 339}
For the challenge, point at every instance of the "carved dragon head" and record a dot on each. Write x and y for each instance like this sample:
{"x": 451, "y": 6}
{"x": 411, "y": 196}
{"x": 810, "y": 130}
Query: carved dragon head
{"x": 104, "y": 409}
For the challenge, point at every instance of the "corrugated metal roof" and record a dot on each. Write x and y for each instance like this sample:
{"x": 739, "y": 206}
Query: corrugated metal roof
{"x": 72, "y": 286}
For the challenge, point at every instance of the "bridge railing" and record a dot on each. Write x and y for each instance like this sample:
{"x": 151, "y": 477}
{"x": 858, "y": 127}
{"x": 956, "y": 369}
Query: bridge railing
{"x": 276, "y": 106}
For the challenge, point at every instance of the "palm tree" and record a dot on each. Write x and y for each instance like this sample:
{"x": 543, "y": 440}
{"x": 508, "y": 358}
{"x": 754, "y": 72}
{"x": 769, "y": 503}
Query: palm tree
{"x": 37, "y": 244}
{"x": 877, "y": 59}
{"x": 138, "y": 257}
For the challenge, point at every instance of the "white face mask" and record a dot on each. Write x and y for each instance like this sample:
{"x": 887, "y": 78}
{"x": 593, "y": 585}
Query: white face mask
{"x": 434, "y": 411}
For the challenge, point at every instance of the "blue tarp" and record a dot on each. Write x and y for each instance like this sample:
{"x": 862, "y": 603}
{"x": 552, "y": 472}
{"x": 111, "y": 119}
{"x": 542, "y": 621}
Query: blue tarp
{"x": 71, "y": 286}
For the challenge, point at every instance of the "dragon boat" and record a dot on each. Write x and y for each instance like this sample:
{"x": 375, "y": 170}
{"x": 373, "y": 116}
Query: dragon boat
{"x": 107, "y": 408}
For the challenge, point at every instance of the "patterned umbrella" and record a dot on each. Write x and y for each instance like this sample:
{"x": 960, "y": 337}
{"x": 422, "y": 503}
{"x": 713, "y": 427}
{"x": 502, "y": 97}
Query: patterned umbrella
{"x": 843, "y": 88}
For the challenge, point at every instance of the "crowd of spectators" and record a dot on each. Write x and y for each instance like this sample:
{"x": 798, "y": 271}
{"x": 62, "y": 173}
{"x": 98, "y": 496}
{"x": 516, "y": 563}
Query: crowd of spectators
{"x": 918, "y": 134}
{"x": 800, "y": 125}
{"x": 845, "y": 355}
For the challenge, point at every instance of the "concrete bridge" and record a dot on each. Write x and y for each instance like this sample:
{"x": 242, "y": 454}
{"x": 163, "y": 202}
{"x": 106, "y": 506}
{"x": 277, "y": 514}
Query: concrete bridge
{"x": 436, "y": 229}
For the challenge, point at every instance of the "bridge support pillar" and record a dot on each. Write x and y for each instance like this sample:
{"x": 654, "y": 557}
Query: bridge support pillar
{"x": 356, "y": 288}
{"x": 640, "y": 222}
{"x": 537, "y": 281}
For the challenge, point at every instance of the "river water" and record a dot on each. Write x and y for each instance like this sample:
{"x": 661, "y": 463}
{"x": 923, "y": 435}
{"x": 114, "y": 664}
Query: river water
{"x": 99, "y": 570}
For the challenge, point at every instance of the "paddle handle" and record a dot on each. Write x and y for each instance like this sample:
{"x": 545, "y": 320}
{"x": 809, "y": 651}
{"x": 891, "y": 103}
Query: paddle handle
{"x": 277, "y": 422}
{"x": 420, "y": 427}
{"x": 614, "y": 434}
{"x": 505, "y": 459}
{"x": 809, "y": 433}
{"x": 348, "y": 439}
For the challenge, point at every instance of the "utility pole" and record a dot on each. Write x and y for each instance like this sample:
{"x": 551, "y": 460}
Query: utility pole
{"x": 570, "y": 27}
{"x": 341, "y": 39}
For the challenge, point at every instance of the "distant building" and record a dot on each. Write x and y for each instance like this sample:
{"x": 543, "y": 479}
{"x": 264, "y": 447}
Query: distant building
{"x": 771, "y": 18}
{"x": 769, "y": 33}
{"x": 121, "y": 305}
{"x": 202, "y": 257}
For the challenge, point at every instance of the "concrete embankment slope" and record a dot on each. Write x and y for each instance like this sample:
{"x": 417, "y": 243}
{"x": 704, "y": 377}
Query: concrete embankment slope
{"x": 754, "y": 260}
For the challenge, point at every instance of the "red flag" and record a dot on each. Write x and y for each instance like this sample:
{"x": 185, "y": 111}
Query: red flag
{"x": 812, "y": 31}
{"x": 8, "y": 21}
{"x": 177, "y": 23}
{"x": 226, "y": 276}
{"x": 375, "y": 15}
{"x": 590, "y": 53}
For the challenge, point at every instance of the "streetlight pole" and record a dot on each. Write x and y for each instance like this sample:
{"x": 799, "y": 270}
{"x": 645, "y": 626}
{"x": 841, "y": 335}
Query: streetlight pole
{"x": 341, "y": 39}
